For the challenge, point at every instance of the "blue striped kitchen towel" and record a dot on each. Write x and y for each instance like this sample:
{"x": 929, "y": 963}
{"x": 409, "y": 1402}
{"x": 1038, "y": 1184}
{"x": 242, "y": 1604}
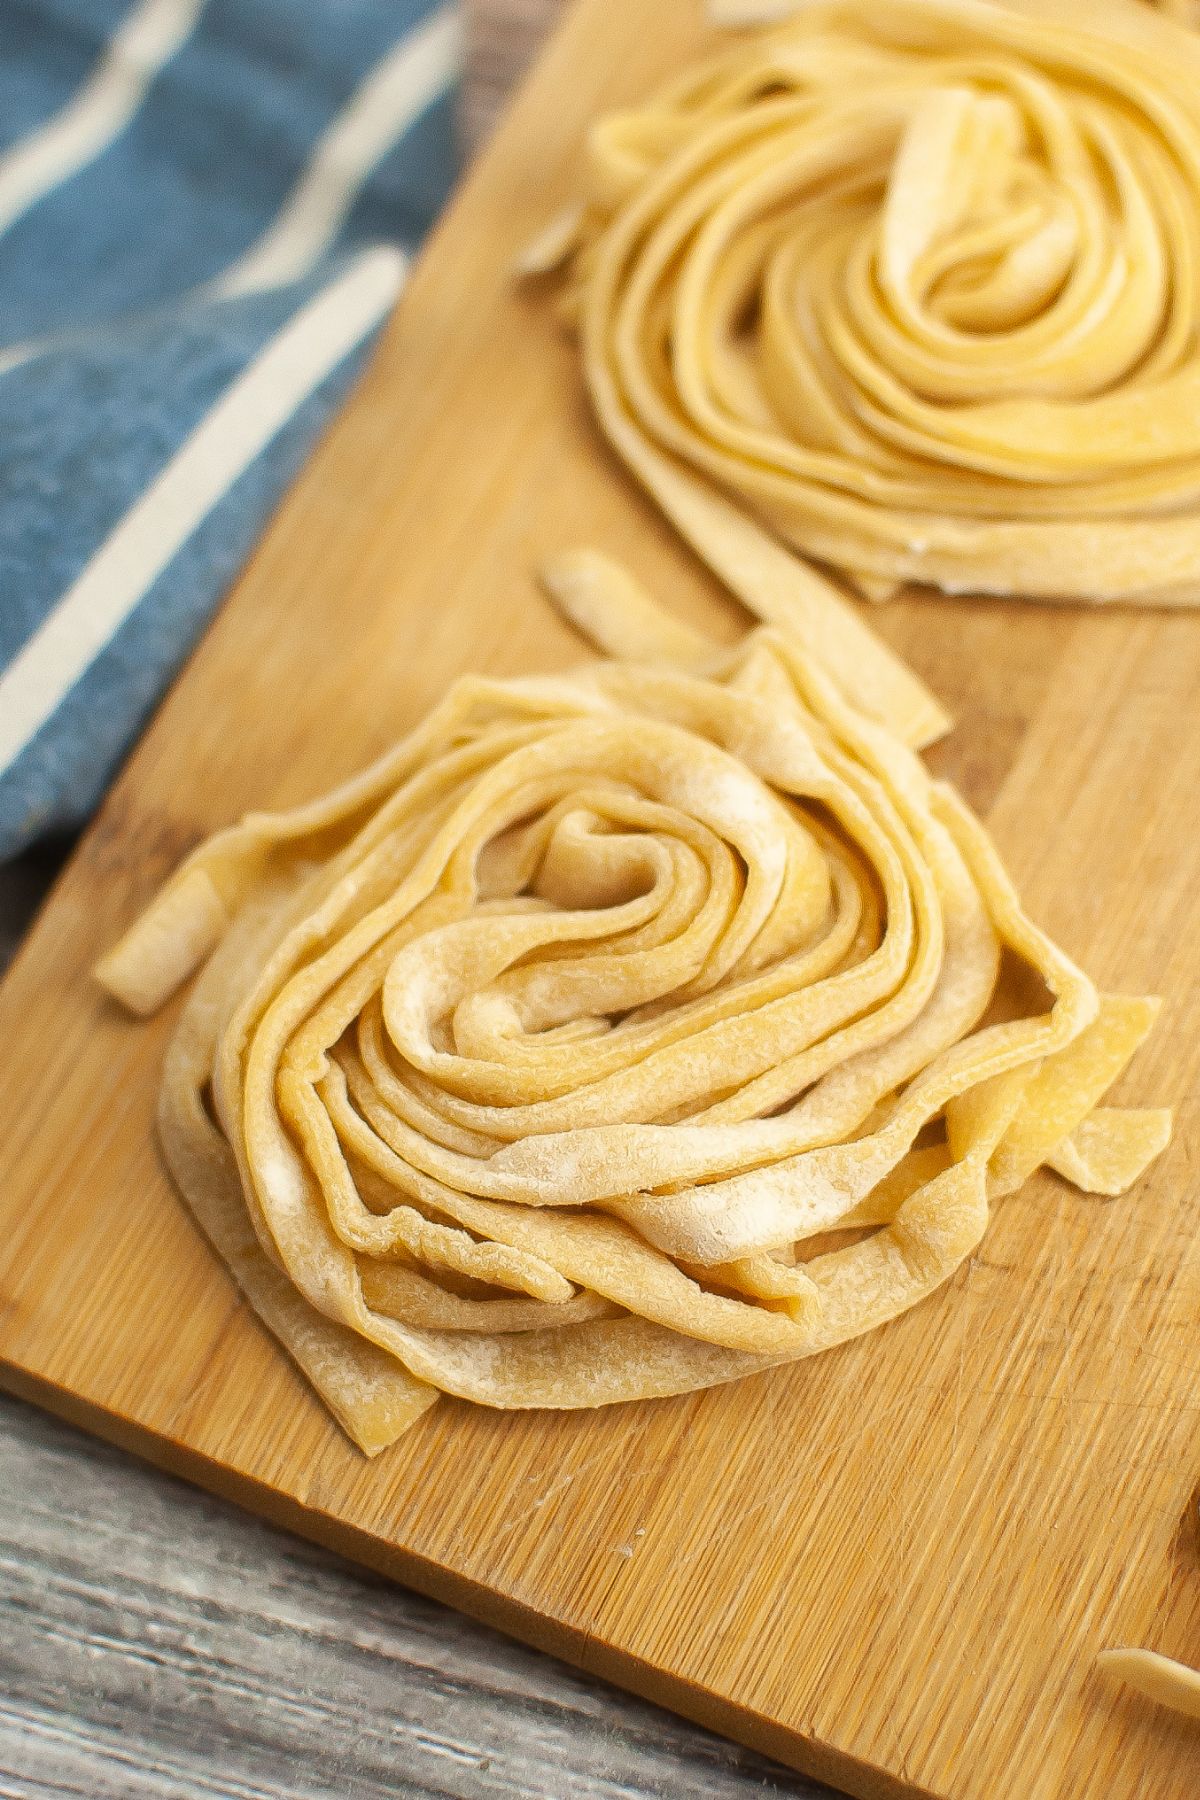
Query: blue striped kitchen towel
{"x": 206, "y": 207}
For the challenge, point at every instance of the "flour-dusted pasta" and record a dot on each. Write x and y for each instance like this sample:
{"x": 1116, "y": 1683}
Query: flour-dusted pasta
{"x": 912, "y": 290}
{"x": 616, "y": 1034}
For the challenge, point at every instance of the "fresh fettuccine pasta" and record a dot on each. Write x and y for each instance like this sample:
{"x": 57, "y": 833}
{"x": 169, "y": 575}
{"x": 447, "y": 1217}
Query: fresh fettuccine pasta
{"x": 616, "y": 1034}
{"x": 912, "y": 290}
{"x": 1160, "y": 1678}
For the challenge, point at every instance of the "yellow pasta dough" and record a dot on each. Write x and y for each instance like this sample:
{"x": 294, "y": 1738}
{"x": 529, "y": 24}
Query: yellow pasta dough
{"x": 616, "y": 1034}
{"x": 1160, "y": 1678}
{"x": 911, "y": 291}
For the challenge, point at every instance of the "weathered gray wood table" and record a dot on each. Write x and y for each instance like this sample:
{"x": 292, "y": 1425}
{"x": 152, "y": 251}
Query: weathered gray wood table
{"x": 157, "y": 1643}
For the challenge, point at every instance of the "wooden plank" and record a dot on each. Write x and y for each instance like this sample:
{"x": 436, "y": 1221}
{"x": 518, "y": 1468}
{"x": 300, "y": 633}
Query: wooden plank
{"x": 503, "y": 37}
{"x": 891, "y": 1566}
{"x": 159, "y": 1645}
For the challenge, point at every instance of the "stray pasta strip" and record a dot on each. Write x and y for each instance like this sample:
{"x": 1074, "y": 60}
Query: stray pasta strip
{"x": 616, "y": 1034}
{"x": 1160, "y": 1678}
{"x": 911, "y": 292}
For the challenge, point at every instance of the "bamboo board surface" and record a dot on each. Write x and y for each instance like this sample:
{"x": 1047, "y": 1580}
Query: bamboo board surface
{"x": 890, "y": 1566}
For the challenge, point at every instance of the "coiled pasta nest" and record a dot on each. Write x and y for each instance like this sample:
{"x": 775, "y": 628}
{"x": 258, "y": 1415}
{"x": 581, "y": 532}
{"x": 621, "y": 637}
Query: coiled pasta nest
{"x": 912, "y": 290}
{"x": 616, "y": 1034}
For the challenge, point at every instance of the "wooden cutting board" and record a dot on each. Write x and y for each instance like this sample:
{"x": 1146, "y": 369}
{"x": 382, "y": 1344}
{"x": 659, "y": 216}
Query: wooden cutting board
{"x": 890, "y": 1566}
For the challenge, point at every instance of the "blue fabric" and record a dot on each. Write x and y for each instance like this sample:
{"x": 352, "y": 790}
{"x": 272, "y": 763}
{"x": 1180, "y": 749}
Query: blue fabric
{"x": 100, "y": 275}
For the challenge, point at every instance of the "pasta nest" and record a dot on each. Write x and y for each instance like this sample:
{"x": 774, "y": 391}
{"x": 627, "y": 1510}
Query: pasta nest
{"x": 916, "y": 288}
{"x": 616, "y": 1034}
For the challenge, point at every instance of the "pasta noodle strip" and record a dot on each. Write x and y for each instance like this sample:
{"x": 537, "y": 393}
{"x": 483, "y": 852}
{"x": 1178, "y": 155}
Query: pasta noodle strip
{"x": 1160, "y": 1678}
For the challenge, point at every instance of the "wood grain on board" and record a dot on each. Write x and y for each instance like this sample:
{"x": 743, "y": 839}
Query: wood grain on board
{"x": 890, "y": 1566}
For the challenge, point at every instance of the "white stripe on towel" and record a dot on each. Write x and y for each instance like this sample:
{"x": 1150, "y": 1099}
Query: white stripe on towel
{"x": 389, "y": 99}
{"x": 146, "y": 38}
{"x": 238, "y": 427}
